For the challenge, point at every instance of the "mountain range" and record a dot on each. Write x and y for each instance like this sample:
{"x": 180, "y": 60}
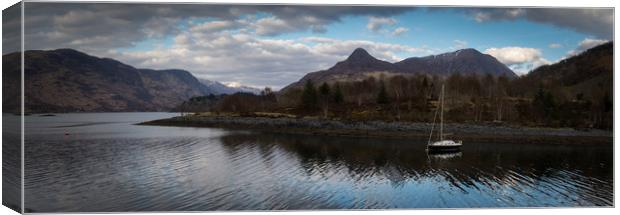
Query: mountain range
{"x": 360, "y": 65}
{"x": 66, "y": 80}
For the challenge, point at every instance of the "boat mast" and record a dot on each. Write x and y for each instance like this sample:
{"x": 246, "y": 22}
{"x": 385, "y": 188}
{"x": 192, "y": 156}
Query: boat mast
{"x": 441, "y": 115}
{"x": 430, "y": 136}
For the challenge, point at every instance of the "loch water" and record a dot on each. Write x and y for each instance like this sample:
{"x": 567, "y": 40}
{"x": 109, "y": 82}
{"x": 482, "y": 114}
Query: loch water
{"x": 103, "y": 162}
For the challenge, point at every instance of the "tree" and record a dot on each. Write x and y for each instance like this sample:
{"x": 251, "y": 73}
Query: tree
{"x": 488, "y": 82}
{"x": 454, "y": 86}
{"x": 183, "y": 108}
{"x": 267, "y": 98}
{"x": 399, "y": 84}
{"x": 267, "y": 91}
{"x": 324, "y": 89}
{"x": 544, "y": 104}
{"x": 324, "y": 94}
{"x": 426, "y": 92}
{"x": 309, "y": 96}
{"x": 499, "y": 95}
{"x": 337, "y": 96}
{"x": 382, "y": 97}
{"x": 240, "y": 102}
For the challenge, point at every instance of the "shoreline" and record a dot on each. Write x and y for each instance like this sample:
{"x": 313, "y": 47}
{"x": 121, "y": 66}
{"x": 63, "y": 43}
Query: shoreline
{"x": 400, "y": 130}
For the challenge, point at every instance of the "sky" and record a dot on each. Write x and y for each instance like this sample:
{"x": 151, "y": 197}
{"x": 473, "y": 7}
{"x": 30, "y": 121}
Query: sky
{"x": 274, "y": 45}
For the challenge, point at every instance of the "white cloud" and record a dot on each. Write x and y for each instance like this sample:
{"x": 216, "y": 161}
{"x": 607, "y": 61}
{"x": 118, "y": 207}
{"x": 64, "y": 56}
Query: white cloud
{"x": 267, "y": 26}
{"x": 514, "y": 55}
{"x": 375, "y": 24}
{"x": 459, "y": 44}
{"x": 214, "y": 26}
{"x": 272, "y": 26}
{"x": 585, "y": 44}
{"x": 482, "y": 16}
{"x": 238, "y": 57}
{"x": 555, "y": 45}
{"x": 520, "y": 59}
{"x": 487, "y": 15}
{"x": 342, "y": 48}
{"x": 399, "y": 31}
{"x": 122, "y": 25}
{"x": 589, "y": 43}
{"x": 385, "y": 25}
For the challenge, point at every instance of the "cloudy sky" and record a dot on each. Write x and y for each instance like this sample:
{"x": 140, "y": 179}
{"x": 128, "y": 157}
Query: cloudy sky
{"x": 261, "y": 45}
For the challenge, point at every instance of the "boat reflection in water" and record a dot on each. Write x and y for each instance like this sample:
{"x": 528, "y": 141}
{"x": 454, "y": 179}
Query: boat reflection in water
{"x": 439, "y": 155}
{"x": 479, "y": 175}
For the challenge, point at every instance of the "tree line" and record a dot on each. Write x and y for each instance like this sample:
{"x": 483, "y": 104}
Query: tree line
{"x": 469, "y": 98}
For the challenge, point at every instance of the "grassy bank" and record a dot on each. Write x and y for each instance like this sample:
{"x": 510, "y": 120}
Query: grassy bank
{"x": 420, "y": 131}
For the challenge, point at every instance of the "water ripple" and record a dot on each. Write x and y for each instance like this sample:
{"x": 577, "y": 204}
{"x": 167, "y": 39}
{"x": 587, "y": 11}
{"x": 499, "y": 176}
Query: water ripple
{"x": 207, "y": 169}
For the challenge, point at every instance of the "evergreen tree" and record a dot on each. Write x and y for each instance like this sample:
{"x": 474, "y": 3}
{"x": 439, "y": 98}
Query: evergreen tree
{"x": 338, "y": 97}
{"x": 544, "y": 104}
{"x": 309, "y": 96}
{"x": 382, "y": 97}
{"x": 324, "y": 97}
{"x": 324, "y": 90}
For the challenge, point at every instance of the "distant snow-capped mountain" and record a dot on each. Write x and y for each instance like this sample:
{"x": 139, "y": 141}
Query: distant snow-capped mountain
{"x": 230, "y": 88}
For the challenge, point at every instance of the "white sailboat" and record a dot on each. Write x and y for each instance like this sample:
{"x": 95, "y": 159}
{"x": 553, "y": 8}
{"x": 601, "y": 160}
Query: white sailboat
{"x": 442, "y": 144}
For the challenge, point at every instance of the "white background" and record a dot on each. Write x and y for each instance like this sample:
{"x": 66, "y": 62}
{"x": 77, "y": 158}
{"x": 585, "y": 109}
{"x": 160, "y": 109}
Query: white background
{"x": 556, "y": 3}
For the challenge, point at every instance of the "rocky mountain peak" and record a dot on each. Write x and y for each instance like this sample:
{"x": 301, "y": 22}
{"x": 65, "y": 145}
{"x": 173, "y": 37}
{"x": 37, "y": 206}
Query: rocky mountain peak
{"x": 360, "y": 54}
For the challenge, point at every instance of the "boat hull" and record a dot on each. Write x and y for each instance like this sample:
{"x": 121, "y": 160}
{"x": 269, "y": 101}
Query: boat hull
{"x": 444, "y": 148}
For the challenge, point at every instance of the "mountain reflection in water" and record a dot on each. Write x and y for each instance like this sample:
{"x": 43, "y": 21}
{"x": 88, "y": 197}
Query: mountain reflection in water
{"x": 534, "y": 172}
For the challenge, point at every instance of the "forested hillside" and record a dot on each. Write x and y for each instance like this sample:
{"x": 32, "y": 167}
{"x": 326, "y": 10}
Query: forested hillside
{"x": 576, "y": 92}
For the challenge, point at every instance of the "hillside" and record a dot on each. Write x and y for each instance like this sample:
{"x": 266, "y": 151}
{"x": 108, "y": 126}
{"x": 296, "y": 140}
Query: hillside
{"x": 66, "y": 80}
{"x": 464, "y": 61}
{"x": 589, "y": 73}
{"x": 360, "y": 65}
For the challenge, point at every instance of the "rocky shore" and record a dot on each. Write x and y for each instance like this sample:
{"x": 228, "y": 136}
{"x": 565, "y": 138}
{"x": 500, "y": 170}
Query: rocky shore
{"x": 464, "y": 131}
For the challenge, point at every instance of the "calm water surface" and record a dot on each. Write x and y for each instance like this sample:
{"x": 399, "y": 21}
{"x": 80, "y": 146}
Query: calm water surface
{"x": 106, "y": 163}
